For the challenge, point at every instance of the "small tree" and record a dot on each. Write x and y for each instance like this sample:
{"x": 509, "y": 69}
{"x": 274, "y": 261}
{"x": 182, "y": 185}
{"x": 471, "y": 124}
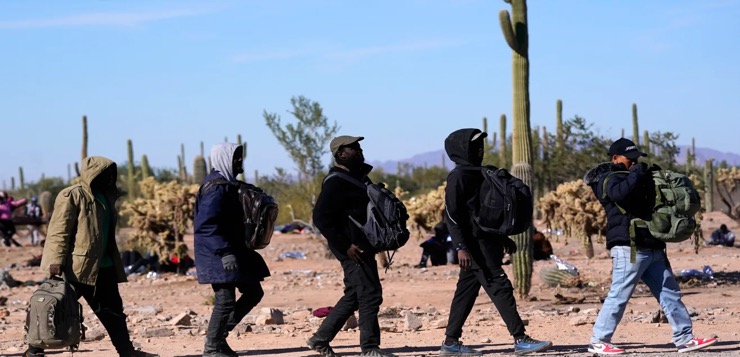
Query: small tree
{"x": 306, "y": 142}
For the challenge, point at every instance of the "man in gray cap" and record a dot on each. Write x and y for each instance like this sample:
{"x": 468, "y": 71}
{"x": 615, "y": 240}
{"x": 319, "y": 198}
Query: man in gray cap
{"x": 339, "y": 199}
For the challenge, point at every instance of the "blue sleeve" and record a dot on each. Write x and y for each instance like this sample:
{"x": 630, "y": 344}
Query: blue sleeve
{"x": 208, "y": 221}
{"x": 619, "y": 187}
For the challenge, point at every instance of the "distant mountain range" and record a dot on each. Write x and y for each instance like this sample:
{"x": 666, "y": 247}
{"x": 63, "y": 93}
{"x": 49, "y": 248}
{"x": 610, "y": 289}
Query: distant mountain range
{"x": 438, "y": 157}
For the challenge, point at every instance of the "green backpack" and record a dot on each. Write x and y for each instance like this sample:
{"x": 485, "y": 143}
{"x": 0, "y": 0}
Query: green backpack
{"x": 676, "y": 203}
{"x": 54, "y": 317}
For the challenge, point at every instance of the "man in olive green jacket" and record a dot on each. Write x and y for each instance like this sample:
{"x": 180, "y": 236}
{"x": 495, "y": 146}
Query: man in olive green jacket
{"x": 81, "y": 244}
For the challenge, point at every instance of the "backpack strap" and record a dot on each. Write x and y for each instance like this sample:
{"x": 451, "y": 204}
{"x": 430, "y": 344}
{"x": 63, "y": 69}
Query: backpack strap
{"x": 211, "y": 183}
{"x": 346, "y": 177}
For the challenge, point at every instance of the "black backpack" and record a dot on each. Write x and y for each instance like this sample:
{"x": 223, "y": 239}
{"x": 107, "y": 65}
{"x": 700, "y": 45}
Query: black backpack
{"x": 385, "y": 227}
{"x": 260, "y": 212}
{"x": 505, "y": 203}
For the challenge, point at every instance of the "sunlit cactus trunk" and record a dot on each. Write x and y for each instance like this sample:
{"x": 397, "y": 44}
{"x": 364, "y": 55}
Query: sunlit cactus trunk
{"x": 514, "y": 28}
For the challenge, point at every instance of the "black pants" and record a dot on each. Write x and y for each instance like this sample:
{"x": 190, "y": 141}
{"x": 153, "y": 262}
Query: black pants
{"x": 105, "y": 301}
{"x": 499, "y": 289}
{"x": 363, "y": 292}
{"x": 7, "y": 229}
{"x": 228, "y": 311}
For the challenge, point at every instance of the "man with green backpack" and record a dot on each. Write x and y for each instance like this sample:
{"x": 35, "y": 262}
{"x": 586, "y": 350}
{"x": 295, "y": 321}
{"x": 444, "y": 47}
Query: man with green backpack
{"x": 645, "y": 208}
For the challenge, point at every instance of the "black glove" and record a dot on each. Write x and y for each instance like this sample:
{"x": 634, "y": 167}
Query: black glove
{"x": 229, "y": 262}
{"x": 509, "y": 246}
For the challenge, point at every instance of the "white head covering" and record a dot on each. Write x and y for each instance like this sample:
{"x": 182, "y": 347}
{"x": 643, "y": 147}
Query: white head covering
{"x": 222, "y": 158}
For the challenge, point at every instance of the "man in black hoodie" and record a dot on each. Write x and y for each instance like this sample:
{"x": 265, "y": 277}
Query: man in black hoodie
{"x": 339, "y": 199}
{"x": 479, "y": 253}
{"x": 625, "y": 189}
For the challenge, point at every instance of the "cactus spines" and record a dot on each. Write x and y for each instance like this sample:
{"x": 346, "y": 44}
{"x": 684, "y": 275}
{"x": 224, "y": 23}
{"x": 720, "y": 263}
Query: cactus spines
{"x": 709, "y": 185}
{"x": 502, "y": 144}
{"x": 21, "y": 180}
{"x": 635, "y": 128}
{"x": 131, "y": 175}
{"x": 559, "y": 137}
{"x": 555, "y": 277}
{"x": 199, "y": 169}
{"x": 518, "y": 39}
{"x": 146, "y": 171}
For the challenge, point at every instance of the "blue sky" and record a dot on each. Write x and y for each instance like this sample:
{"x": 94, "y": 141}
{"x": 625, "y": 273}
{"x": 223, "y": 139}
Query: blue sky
{"x": 402, "y": 73}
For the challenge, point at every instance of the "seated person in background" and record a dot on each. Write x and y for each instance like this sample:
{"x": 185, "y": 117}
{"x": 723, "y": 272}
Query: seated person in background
{"x": 722, "y": 236}
{"x": 435, "y": 247}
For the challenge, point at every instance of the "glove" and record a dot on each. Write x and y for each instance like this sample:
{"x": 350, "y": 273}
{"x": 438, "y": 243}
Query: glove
{"x": 229, "y": 262}
{"x": 509, "y": 246}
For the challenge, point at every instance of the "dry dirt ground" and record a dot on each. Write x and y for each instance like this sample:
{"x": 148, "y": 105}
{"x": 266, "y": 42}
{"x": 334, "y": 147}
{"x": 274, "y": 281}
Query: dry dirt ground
{"x": 168, "y": 314}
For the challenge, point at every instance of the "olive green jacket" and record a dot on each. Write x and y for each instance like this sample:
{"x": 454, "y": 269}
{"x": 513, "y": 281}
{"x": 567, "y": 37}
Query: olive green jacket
{"x": 74, "y": 239}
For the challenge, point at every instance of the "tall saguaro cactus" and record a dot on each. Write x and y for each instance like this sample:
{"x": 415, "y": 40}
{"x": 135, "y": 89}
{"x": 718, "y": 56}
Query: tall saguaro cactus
{"x": 84, "y": 145}
{"x": 514, "y": 28}
{"x": 709, "y": 185}
{"x": 146, "y": 171}
{"x": 21, "y": 179}
{"x": 485, "y": 130}
{"x": 502, "y": 144}
{"x": 199, "y": 169}
{"x": 635, "y": 128}
{"x": 646, "y": 142}
{"x": 131, "y": 176}
{"x": 559, "y": 136}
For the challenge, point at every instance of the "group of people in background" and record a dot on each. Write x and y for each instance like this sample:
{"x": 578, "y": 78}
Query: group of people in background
{"x": 8, "y": 206}
{"x": 225, "y": 263}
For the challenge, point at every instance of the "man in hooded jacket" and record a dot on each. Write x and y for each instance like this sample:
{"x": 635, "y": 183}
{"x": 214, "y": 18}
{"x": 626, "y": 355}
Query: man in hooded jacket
{"x": 81, "y": 244}
{"x": 221, "y": 254}
{"x": 339, "y": 199}
{"x": 480, "y": 254}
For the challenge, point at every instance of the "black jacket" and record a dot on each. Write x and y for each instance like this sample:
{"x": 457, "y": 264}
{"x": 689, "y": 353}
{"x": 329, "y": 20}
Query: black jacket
{"x": 635, "y": 193}
{"x": 462, "y": 197}
{"x": 338, "y": 200}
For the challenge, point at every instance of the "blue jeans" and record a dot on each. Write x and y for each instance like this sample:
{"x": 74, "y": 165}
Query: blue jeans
{"x": 652, "y": 267}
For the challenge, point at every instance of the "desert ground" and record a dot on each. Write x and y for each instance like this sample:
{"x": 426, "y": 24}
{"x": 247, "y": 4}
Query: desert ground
{"x": 168, "y": 314}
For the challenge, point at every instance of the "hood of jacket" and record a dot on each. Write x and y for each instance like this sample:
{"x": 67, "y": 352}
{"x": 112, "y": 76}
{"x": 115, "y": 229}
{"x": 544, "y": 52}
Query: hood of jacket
{"x": 222, "y": 159}
{"x": 459, "y": 148}
{"x": 592, "y": 176}
{"x": 93, "y": 166}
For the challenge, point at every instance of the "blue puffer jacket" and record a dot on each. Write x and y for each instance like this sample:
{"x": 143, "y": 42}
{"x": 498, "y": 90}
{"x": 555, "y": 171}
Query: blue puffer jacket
{"x": 633, "y": 192}
{"x": 218, "y": 232}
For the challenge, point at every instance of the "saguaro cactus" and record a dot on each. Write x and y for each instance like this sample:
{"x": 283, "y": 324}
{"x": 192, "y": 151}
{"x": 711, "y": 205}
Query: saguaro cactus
{"x": 199, "y": 169}
{"x": 635, "y": 128}
{"x": 709, "y": 185}
{"x": 514, "y": 28}
{"x": 559, "y": 137}
{"x": 84, "y": 144}
{"x": 646, "y": 142}
{"x": 146, "y": 171}
{"x": 502, "y": 144}
{"x": 131, "y": 175}
{"x": 21, "y": 180}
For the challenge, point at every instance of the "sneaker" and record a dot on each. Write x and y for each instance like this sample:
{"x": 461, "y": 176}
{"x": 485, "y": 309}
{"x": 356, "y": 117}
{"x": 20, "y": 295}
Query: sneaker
{"x": 28, "y": 353}
{"x": 527, "y": 345}
{"x": 457, "y": 349}
{"x": 696, "y": 344}
{"x": 377, "y": 352}
{"x": 321, "y": 347}
{"x": 604, "y": 348}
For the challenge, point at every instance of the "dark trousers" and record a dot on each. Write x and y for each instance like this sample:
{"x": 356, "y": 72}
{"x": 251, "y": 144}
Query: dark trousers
{"x": 363, "y": 292}
{"x": 105, "y": 301}
{"x": 228, "y": 311}
{"x": 7, "y": 229}
{"x": 499, "y": 289}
